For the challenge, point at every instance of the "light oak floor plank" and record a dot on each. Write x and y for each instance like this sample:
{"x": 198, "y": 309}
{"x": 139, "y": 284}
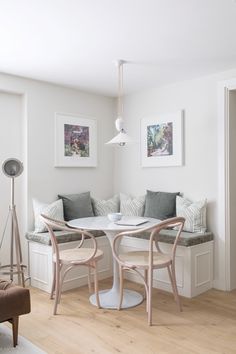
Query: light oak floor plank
{"x": 207, "y": 324}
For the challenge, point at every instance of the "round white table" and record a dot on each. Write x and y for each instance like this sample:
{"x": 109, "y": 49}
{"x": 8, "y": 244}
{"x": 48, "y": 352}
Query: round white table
{"x": 110, "y": 298}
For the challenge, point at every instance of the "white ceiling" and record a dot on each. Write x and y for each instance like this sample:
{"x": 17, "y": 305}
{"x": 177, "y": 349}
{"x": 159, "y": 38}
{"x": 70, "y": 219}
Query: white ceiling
{"x": 74, "y": 42}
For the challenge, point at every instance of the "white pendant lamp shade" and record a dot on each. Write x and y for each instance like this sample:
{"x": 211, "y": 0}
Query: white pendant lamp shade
{"x": 119, "y": 123}
{"x": 121, "y": 138}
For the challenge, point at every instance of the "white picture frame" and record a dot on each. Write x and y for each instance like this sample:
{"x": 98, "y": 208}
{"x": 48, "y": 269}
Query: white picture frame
{"x": 162, "y": 140}
{"x": 75, "y": 141}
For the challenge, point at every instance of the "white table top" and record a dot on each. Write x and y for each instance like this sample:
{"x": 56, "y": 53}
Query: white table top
{"x": 104, "y": 224}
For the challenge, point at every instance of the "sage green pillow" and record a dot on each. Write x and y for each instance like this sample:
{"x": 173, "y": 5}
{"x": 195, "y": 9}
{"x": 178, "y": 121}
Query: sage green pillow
{"x": 77, "y": 205}
{"x": 160, "y": 205}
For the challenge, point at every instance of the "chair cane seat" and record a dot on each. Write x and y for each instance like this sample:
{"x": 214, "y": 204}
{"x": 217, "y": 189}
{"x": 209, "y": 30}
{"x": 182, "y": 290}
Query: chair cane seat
{"x": 77, "y": 255}
{"x": 141, "y": 258}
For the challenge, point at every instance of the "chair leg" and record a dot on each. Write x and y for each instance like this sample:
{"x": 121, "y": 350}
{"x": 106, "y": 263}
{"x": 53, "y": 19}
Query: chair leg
{"x": 57, "y": 288}
{"x": 121, "y": 271}
{"x": 174, "y": 285}
{"x": 15, "y": 323}
{"x": 53, "y": 281}
{"x": 149, "y": 296}
{"x": 146, "y": 281}
{"x": 89, "y": 280}
{"x": 96, "y": 284}
{"x": 145, "y": 297}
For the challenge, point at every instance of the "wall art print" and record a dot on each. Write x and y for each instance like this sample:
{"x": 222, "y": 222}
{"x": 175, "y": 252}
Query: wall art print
{"x": 162, "y": 140}
{"x": 75, "y": 141}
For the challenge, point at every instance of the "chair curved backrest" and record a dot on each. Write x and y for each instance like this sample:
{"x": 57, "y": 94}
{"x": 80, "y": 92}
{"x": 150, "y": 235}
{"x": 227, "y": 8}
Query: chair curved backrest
{"x": 153, "y": 239}
{"x": 177, "y": 222}
{"x": 61, "y": 225}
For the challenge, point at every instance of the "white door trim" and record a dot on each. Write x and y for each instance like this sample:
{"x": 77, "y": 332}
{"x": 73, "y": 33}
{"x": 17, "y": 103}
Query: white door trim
{"x": 223, "y": 184}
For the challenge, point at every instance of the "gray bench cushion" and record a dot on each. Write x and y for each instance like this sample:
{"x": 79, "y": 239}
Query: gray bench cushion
{"x": 187, "y": 239}
{"x": 62, "y": 236}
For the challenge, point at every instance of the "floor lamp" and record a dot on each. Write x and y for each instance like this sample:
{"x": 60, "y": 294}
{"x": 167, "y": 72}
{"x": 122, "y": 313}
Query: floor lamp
{"x": 13, "y": 168}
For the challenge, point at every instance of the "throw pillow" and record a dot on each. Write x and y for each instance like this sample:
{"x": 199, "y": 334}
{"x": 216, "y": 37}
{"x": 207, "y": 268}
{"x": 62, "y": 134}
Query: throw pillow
{"x": 53, "y": 210}
{"x": 194, "y": 214}
{"x": 77, "y": 205}
{"x": 104, "y": 207}
{"x": 131, "y": 206}
{"x": 160, "y": 205}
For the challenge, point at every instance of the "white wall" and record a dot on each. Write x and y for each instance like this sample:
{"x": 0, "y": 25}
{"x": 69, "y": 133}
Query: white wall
{"x": 232, "y": 186}
{"x": 11, "y": 137}
{"x": 198, "y": 177}
{"x": 40, "y": 102}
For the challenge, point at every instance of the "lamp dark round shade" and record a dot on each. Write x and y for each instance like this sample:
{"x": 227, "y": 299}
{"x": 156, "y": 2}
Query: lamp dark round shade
{"x": 12, "y": 167}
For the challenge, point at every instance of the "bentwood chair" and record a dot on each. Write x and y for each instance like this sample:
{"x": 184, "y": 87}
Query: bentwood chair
{"x": 144, "y": 262}
{"x": 65, "y": 260}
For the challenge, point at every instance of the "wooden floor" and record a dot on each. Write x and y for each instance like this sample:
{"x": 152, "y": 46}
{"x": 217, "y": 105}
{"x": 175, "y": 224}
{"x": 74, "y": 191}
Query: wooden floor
{"x": 206, "y": 325}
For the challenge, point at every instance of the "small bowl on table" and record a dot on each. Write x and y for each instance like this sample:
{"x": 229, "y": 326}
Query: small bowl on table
{"x": 114, "y": 216}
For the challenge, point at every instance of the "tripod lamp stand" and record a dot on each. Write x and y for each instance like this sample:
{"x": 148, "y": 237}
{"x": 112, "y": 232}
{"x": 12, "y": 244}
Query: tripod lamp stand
{"x": 13, "y": 168}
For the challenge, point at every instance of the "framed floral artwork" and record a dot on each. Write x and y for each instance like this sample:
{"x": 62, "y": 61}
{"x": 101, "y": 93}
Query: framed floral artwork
{"x": 75, "y": 141}
{"x": 162, "y": 140}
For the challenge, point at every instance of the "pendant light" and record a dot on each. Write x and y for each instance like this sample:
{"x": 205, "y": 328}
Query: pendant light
{"x": 121, "y": 138}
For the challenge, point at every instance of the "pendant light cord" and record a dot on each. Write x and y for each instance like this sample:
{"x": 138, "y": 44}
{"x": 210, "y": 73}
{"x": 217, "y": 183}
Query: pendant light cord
{"x": 121, "y": 138}
{"x": 120, "y": 89}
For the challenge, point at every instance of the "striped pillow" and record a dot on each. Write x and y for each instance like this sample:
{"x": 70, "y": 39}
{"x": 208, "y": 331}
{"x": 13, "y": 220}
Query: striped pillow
{"x": 104, "y": 207}
{"x": 131, "y": 206}
{"x": 194, "y": 214}
{"x": 53, "y": 210}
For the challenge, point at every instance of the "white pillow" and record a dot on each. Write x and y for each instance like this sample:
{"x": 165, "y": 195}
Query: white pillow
{"x": 132, "y": 206}
{"x": 54, "y": 211}
{"x": 193, "y": 212}
{"x": 104, "y": 207}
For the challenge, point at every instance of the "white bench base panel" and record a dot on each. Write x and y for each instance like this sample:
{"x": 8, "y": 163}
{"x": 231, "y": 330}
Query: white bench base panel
{"x": 194, "y": 266}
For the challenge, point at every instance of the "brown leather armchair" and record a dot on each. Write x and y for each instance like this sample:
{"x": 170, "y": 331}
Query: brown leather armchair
{"x": 14, "y": 301}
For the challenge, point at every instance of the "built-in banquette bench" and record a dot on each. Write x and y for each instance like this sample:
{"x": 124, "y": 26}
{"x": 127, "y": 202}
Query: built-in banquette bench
{"x": 194, "y": 260}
